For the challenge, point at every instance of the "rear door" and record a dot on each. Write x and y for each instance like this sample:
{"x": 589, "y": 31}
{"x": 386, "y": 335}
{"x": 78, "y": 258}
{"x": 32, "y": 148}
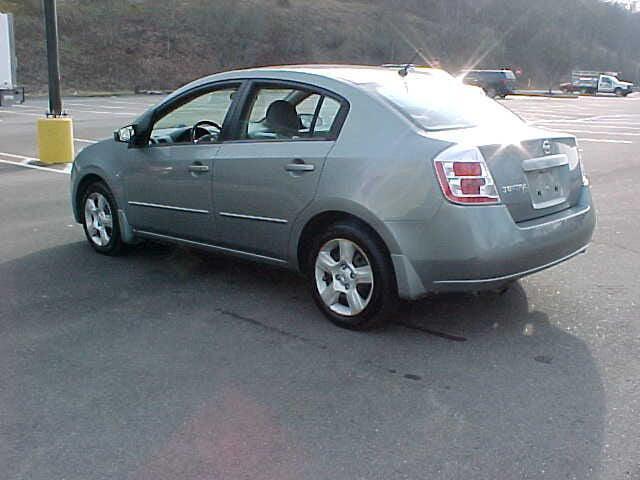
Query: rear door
{"x": 265, "y": 177}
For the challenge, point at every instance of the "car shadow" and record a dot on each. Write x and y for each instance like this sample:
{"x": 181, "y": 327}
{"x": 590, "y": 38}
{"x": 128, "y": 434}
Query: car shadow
{"x": 483, "y": 386}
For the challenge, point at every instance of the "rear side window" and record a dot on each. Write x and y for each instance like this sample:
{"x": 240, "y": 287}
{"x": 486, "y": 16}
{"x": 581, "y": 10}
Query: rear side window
{"x": 327, "y": 116}
{"x": 439, "y": 104}
{"x": 510, "y": 75}
{"x": 285, "y": 113}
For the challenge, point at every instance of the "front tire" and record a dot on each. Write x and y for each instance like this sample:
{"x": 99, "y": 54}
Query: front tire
{"x": 352, "y": 278}
{"x": 100, "y": 219}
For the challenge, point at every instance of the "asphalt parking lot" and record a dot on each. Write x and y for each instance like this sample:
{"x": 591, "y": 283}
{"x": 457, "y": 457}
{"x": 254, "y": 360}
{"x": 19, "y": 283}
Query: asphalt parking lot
{"x": 171, "y": 364}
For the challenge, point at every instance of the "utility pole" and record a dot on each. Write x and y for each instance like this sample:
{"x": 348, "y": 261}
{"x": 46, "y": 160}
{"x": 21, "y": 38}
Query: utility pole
{"x": 53, "y": 61}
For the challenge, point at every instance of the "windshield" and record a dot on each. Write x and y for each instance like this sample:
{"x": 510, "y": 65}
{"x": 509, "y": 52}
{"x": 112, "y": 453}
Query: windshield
{"x": 440, "y": 104}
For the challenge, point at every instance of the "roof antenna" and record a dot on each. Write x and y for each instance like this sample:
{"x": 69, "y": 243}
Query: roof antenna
{"x": 404, "y": 71}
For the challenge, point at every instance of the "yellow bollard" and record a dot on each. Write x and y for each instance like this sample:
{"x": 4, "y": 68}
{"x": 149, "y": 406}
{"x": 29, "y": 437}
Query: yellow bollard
{"x": 55, "y": 140}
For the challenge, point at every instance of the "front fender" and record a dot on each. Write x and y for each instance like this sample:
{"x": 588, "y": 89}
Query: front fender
{"x": 104, "y": 160}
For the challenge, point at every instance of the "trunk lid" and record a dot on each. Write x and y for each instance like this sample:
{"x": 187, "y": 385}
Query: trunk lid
{"x": 536, "y": 172}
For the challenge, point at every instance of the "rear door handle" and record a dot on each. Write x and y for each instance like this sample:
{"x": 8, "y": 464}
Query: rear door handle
{"x": 198, "y": 168}
{"x": 300, "y": 167}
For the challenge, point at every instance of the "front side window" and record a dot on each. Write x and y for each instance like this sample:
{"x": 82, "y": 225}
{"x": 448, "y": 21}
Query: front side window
{"x": 199, "y": 120}
{"x": 284, "y": 113}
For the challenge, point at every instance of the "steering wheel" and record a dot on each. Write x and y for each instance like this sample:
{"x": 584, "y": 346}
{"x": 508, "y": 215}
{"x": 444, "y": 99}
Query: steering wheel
{"x": 198, "y": 125}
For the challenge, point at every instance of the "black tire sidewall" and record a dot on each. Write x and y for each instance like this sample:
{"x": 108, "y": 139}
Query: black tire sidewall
{"x": 384, "y": 290}
{"x": 115, "y": 243}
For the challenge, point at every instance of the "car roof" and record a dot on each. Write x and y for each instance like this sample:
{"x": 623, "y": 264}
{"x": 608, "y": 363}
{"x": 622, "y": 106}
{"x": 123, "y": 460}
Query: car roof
{"x": 353, "y": 74}
{"x": 327, "y": 76}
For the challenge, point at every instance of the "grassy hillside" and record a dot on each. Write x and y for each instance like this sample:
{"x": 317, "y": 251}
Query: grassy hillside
{"x": 123, "y": 44}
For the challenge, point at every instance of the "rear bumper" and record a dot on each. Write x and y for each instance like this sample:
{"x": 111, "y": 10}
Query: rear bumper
{"x": 496, "y": 282}
{"x": 481, "y": 247}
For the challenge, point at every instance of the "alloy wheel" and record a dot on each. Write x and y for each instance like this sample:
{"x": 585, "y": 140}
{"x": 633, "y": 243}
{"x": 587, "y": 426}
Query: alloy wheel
{"x": 98, "y": 219}
{"x": 344, "y": 277}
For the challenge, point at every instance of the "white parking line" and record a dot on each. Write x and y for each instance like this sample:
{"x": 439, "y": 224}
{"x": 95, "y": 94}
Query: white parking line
{"x": 26, "y": 106}
{"x": 101, "y": 112}
{"x": 579, "y": 123}
{"x": 41, "y": 115}
{"x": 102, "y": 105}
{"x": 602, "y": 140}
{"x": 84, "y": 140}
{"x": 543, "y": 115}
{"x": 65, "y": 171}
{"x": 582, "y": 126}
{"x": 134, "y": 103}
{"x": 599, "y": 132}
{"x": 22, "y": 158}
{"x": 73, "y": 113}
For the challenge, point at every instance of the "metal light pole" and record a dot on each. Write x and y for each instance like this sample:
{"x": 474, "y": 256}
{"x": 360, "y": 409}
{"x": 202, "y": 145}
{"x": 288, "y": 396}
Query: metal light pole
{"x": 51, "y": 27}
{"x": 55, "y": 132}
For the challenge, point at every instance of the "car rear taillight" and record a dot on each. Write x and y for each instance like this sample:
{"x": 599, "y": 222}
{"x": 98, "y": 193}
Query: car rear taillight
{"x": 464, "y": 177}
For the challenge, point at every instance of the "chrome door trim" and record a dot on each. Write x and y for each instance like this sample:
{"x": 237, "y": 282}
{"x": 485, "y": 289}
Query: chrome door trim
{"x": 159, "y": 236}
{"x": 167, "y": 207}
{"x": 253, "y": 217}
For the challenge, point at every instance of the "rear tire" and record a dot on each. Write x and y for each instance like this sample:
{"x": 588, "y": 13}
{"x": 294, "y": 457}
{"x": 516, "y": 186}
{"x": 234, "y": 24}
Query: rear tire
{"x": 99, "y": 216}
{"x": 351, "y": 277}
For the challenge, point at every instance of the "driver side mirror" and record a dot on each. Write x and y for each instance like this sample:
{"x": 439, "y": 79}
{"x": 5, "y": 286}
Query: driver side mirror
{"x": 125, "y": 134}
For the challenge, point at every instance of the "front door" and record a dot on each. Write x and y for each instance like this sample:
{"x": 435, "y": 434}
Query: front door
{"x": 168, "y": 182}
{"x": 169, "y": 190}
{"x": 605, "y": 85}
{"x": 269, "y": 174}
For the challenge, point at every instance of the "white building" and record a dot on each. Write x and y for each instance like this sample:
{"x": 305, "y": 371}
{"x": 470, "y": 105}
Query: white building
{"x": 7, "y": 53}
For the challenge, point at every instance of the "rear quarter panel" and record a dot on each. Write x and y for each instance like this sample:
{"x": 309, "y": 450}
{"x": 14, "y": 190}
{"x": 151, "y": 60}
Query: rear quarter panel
{"x": 380, "y": 170}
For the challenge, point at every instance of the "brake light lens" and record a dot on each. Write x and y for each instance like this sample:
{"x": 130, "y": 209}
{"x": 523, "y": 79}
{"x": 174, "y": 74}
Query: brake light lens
{"x": 467, "y": 169}
{"x": 464, "y": 177}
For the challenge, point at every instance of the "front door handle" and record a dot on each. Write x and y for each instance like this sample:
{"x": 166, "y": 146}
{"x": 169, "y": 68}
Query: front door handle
{"x": 198, "y": 168}
{"x": 300, "y": 167}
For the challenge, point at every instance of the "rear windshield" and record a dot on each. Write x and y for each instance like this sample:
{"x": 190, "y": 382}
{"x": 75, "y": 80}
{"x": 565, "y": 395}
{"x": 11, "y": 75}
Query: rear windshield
{"x": 441, "y": 104}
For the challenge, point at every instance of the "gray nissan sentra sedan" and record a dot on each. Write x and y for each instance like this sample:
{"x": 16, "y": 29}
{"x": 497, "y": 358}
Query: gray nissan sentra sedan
{"x": 376, "y": 183}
